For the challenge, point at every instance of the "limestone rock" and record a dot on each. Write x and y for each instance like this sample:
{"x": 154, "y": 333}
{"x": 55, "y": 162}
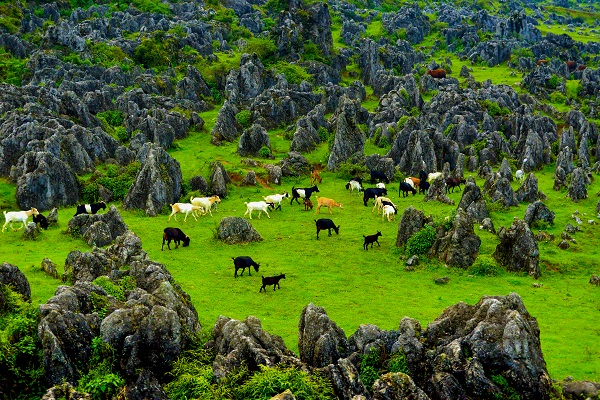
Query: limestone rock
{"x": 518, "y": 249}
{"x": 252, "y": 140}
{"x": 459, "y": 246}
{"x": 437, "y": 192}
{"x": 538, "y": 211}
{"x": 233, "y": 230}
{"x": 10, "y": 275}
{"x": 412, "y": 221}
{"x": 320, "y": 341}
{"x": 578, "y": 190}
{"x": 397, "y": 385}
{"x": 80, "y": 224}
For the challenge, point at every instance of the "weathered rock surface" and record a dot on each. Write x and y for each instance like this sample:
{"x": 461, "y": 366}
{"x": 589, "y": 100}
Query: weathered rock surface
{"x": 578, "y": 188}
{"x": 233, "y": 230}
{"x": 412, "y": 221}
{"x": 459, "y": 246}
{"x": 397, "y": 385}
{"x": 518, "y": 249}
{"x": 252, "y": 140}
{"x": 10, "y": 275}
{"x": 538, "y": 211}
{"x": 111, "y": 226}
{"x": 437, "y": 192}
{"x": 473, "y": 203}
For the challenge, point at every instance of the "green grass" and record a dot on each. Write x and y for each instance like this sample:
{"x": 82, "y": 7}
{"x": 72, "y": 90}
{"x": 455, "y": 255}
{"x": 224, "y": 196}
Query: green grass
{"x": 585, "y": 36}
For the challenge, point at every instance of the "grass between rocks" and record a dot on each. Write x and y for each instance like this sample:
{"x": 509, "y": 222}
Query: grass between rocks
{"x": 355, "y": 286}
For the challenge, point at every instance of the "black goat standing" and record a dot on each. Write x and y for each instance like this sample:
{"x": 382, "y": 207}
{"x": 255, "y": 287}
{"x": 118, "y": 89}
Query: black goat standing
{"x": 40, "y": 219}
{"x": 371, "y": 239}
{"x": 271, "y": 280}
{"x": 243, "y": 262}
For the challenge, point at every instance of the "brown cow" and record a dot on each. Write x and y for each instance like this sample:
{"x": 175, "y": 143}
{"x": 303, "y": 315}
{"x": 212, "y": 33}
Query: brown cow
{"x": 581, "y": 67}
{"x": 437, "y": 73}
{"x": 540, "y": 62}
{"x": 572, "y": 65}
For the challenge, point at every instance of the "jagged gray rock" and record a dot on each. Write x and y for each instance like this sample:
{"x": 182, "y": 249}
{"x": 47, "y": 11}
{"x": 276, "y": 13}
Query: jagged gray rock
{"x": 578, "y": 189}
{"x": 219, "y": 179}
{"x": 345, "y": 379}
{"x": 459, "y": 246}
{"x": 397, "y": 385}
{"x": 412, "y": 221}
{"x": 12, "y": 276}
{"x": 295, "y": 164}
{"x": 252, "y": 140}
{"x": 114, "y": 226}
{"x": 349, "y": 139}
{"x": 538, "y": 211}
{"x": 518, "y": 250}
{"x": 528, "y": 191}
{"x": 472, "y": 202}
{"x": 234, "y": 230}
{"x": 437, "y": 192}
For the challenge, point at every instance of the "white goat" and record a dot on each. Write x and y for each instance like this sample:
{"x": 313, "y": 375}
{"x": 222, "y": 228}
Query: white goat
{"x": 206, "y": 203}
{"x": 18, "y": 216}
{"x": 354, "y": 185}
{"x": 381, "y": 185}
{"x": 520, "y": 175}
{"x": 388, "y": 211}
{"x": 378, "y": 203}
{"x": 259, "y": 206}
{"x": 184, "y": 208}
{"x": 276, "y": 199}
{"x": 410, "y": 182}
{"x": 433, "y": 176}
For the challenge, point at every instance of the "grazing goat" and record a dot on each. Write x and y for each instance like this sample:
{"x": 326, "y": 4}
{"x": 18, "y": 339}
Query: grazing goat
{"x": 388, "y": 211}
{"x": 259, "y": 206}
{"x": 41, "y": 220}
{"x": 378, "y": 176}
{"x": 423, "y": 175}
{"x": 432, "y": 176}
{"x": 372, "y": 193}
{"x": 354, "y": 185}
{"x": 326, "y": 223}
{"x": 304, "y": 193}
{"x": 177, "y": 236}
{"x": 329, "y": 203}
{"x": 89, "y": 208}
{"x": 451, "y": 183}
{"x": 205, "y": 202}
{"x": 424, "y": 187}
{"x": 412, "y": 181}
{"x": 437, "y": 73}
{"x": 243, "y": 262}
{"x": 371, "y": 239}
{"x": 308, "y": 204}
{"x": 18, "y": 216}
{"x": 315, "y": 177}
{"x": 380, "y": 185}
{"x": 379, "y": 200}
{"x": 184, "y": 208}
{"x": 276, "y": 199}
{"x": 405, "y": 188}
{"x": 271, "y": 280}
{"x": 520, "y": 175}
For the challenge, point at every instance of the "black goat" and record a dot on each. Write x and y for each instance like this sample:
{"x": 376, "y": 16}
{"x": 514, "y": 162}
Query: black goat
{"x": 302, "y": 193}
{"x": 371, "y": 239}
{"x": 41, "y": 220}
{"x": 89, "y": 208}
{"x": 378, "y": 176}
{"x": 243, "y": 262}
{"x": 326, "y": 223}
{"x": 424, "y": 187}
{"x": 177, "y": 236}
{"x": 271, "y": 280}
{"x": 423, "y": 176}
{"x": 371, "y": 193}
{"x": 405, "y": 188}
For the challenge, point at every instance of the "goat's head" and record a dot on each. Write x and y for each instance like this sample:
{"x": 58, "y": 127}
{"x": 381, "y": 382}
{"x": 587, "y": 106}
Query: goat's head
{"x": 102, "y": 205}
{"x": 336, "y": 229}
{"x": 256, "y": 267}
{"x": 186, "y": 241}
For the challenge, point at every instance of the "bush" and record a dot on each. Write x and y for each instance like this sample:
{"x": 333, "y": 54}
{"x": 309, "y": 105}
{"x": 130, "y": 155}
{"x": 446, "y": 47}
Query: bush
{"x": 12, "y": 69}
{"x": 323, "y": 134}
{"x": 553, "y": 81}
{"x": 349, "y": 169}
{"x": 265, "y": 152}
{"x": 101, "y": 381}
{"x": 420, "y": 242}
{"x": 484, "y": 267}
{"x": 293, "y": 73}
{"x": 244, "y": 118}
{"x": 112, "y": 117}
{"x": 312, "y": 52}
{"x": 110, "y": 287}
{"x": 558, "y": 98}
{"x": 264, "y": 48}
{"x": 397, "y": 363}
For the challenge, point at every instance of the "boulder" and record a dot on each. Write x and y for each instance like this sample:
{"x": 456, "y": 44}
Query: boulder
{"x": 219, "y": 179}
{"x": 459, "y": 246}
{"x": 577, "y": 189}
{"x": 580, "y": 390}
{"x": 49, "y": 268}
{"x": 274, "y": 174}
{"x": 560, "y": 178}
{"x": 518, "y": 249}
{"x": 31, "y": 231}
{"x": 320, "y": 341}
{"x": 538, "y": 211}
{"x": 397, "y": 385}
{"x": 287, "y": 395}
{"x": 594, "y": 280}
{"x": 437, "y": 192}
{"x": 349, "y": 139}
{"x": 112, "y": 226}
{"x": 500, "y": 190}
{"x": 245, "y": 342}
{"x": 412, "y": 221}
{"x": 252, "y": 140}
{"x": 12, "y": 276}
{"x": 198, "y": 183}
{"x": 226, "y": 128}
{"x": 488, "y": 225}
{"x": 52, "y": 217}
{"x": 234, "y": 230}
{"x": 345, "y": 379}
{"x": 295, "y": 164}
{"x": 306, "y": 136}
{"x": 250, "y": 179}
{"x": 473, "y": 203}
{"x": 65, "y": 391}
{"x": 505, "y": 170}
{"x": 528, "y": 191}
{"x": 157, "y": 184}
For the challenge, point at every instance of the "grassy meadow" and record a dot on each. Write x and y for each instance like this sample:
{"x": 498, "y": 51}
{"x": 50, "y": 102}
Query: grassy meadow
{"x": 355, "y": 286}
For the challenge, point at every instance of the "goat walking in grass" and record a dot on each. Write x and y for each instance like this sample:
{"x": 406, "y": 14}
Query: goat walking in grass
{"x": 271, "y": 280}
{"x": 329, "y": 203}
{"x": 18, "y": 216}
{"x": 371, "y": 239}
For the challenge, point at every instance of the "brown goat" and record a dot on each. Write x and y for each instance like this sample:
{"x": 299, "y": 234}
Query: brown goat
{"x": 437, "y": 73}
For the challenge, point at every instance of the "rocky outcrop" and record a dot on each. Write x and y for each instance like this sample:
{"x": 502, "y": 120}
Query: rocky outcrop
{"x": 158, "y": 182}
{"x": 397, "y": 385}
{"x": 345, "y": 379}
{"x": 226, "y": 128}
{"x": 578, "y": 188}
{"x": 349, "y": 139}
{"x": 234, "y": 230}
{"x": 219, "y": 179}
{"x": 437, "y": 192}
{"x": 245, "y": 342}
{"x": 459, "y": 246}
{"x": 252, "y": 140}
{"x": 11, "y": 276}
{"x": 295, "y": 164}
{"x": 538, "y": 211}
{"x": 500, "y": 190}
{"x": 472, "y": 202}
{"x": 528, "y": 191}
{"x": 105, "y": 228}
{"x": 518, "y": 249}
{"x": 412, "y": 221}
{"x": 320, "y": 341}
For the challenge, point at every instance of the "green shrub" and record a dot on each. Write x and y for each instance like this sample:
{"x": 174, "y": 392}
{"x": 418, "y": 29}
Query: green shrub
{"x": 293, "y": 73}
{"x": 110, "y": 287}
{"x": 105, "y": 55}
{"x": 370, "y": 367}
{"x": 494, "y": 108}
{"x": 10, "y": 16}
{"x": 397, "y": 363}
{"x": 420, "y": 242}
{"x": 101, "y": 381}
{"x": 12, "y": 69}
{"x": 159, "y": 51}
{"x": 558, "y": 98}
{"x": 244, "y": 118}
{"x": 502, "y": 383}
{"x": 484, "y": 267}
{"x": 323, "y": 134}
{"x": 312, "y": 52}
{"x": 265, "y": 152}
{"x": 554, "y": 81}
{"x": 264, "y": 48}
{"x": 349, "y": 169}
{"x": 112, "y": 117}
{"x": 402, "y": 122}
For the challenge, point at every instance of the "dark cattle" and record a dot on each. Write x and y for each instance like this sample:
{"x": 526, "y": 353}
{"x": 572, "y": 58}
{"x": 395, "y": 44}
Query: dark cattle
{"x": 424, "y": 187}
{"x": 326, "y": 223}
{"x": 176, "y": 235}
{"x": 41, "y": 220}
{"x": 303, "y": 193}
{"x": 423, "y": 175}
{"x": 405, "y": 188}
{"x": 451, "y": 183}
{"x": 308, "y": 205}
{"x": 437, "y": 73}
{"x": 271, "y": 280}
{"x": 371, "y": 239}
{"x": 572, "y": 65}
{"x": 89, "y": 208}
{"x": 378, "y": 176}
{"x": 371, "y": 193}
{"x": 243, "y": 262}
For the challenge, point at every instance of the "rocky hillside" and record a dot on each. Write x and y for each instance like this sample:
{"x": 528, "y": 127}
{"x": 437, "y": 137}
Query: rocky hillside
{"x": 93, "y": 95}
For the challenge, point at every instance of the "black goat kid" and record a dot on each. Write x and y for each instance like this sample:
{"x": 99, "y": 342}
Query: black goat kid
{"x": 271, "y": 280}
{"x": 371, "y": 239}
